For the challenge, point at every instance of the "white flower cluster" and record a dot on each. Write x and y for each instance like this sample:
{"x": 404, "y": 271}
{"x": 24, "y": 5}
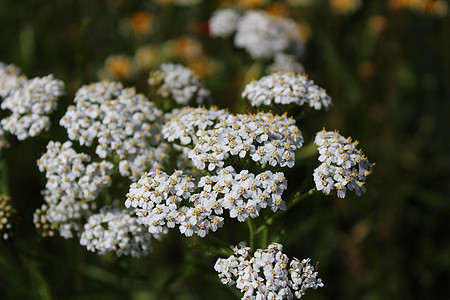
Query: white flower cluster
{"x": 268, "y": 274}
{"x": 6, "y": 215}
{"x": 223, "y": 22}
{"x": 116, "y": 230}
{"x": 286, "y": 88}
{"x": 263, "y": 35}
{"x": 285, "y": 62}
{"x": 30, "y": 105}
{"x": 42, "y": 221}
{"x": 29, "y": 100}
{"x": 10, "y": 79}
{"x": 180, "y": 84}
{"x": 120, "y": 121}
{"x": 72, "y": 186}
{"x": 196, "y": 207}
{"x": 217, "y": 134}
{"x": 343, "y": 167}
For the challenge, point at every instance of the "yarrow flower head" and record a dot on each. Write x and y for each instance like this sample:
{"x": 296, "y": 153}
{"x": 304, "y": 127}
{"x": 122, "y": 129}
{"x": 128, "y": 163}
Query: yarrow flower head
{"x": 223, "y": 22}
{"x": 116, "y": 230}
{"x": 30, "y": 101}
{"x": 285, "y": 62}
{"x": 263, "y": 35}
{"x": 344, "y": 167}
{"x": 197, "y": 205}
{"x": 179, "y": 83}
{"x": 10, "y": 79}
{"x": 73, "y": 183}
{"x": 286, "y": 88}
{"x": 121, "y": 122}
{"x": 268, "y": 274}
{"x": 216, "y": 134}
{"x": 6, "y": 215}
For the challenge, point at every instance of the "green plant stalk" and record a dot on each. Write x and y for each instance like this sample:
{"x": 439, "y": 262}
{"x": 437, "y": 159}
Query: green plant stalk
{"x": 211, "y": 250}
{"x": 4, "y": 178}
{"x": 40, "y": 286}
{"x": 264, "y": 236}
{"x": 251, "y": 230}
{"x": 297, "y": 199}
{"x": 217, "y": 240}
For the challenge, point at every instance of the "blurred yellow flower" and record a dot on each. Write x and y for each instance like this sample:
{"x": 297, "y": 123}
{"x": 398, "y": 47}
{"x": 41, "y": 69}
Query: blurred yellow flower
{"x": 439, "y": 8}
{"x": 146, "y": 57}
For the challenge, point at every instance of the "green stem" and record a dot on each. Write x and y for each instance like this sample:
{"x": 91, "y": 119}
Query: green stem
{"x": 211, "y": 250}
{"x": 264, "y": 236}
{"x": 4, "y": 178}
{"x": 217, "y": 240}
{"x": 296, "y": 199}
{"x": 251, "y": 230}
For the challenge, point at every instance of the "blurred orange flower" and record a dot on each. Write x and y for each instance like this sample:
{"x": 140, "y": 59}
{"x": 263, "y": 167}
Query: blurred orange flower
{"x": 252, "y": 3}
{"x": 378, "y": 24}
{"x": 305, "y": 31}
{"x": 434, "y": 7}
{"x": 202, "y": 66}
{"x": 343, "y": 7}
{"x": 142, "y": 22}
{"x": 277, "y": 9}
{"x": 120, "y": 67}
{"x": 188, "y": 47}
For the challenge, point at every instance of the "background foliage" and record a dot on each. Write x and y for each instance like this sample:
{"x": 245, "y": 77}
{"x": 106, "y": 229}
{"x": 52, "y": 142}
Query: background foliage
{"x": 388, "y": 72}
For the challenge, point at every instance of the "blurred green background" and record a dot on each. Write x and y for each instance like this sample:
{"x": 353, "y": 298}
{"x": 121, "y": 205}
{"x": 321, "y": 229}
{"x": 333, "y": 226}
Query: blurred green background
{"x": 388, "y": 71}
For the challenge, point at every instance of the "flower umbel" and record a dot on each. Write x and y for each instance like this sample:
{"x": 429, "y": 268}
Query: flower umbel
{"x": 286, "y": 88}
{"x": 10, "y": 79}
{"x": 30, "y": 101}
{"x": 285, "y": 62}
{"x": 344, "y": 167}
{"x": 196, "y": 206}
{"x": 116, "y": 230}
{"x": 223, "y": 22}
{"x": 263, "y": 35}
{"x": 6, "y": 215}
{"x": 176, "y": 82}
{"x": 121, "y": 121}
{"x": 216, "y": 135}
{"x": 73, "y": 183}
{"x": 268, "y": 274}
